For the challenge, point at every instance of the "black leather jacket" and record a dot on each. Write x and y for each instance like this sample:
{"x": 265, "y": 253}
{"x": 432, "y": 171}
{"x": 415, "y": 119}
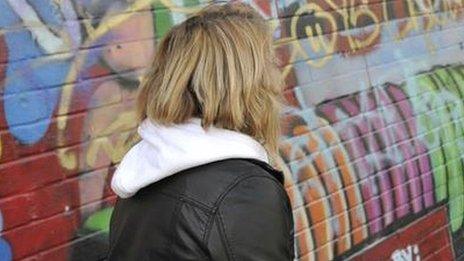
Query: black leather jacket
{"x": 234, "y": 209}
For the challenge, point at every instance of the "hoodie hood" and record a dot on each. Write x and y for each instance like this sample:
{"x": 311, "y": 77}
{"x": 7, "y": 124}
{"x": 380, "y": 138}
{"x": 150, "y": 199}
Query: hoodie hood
{"x": 166, "y": 150}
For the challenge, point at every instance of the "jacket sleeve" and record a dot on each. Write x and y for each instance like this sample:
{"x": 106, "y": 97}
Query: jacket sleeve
{"x": 253, "y": 222}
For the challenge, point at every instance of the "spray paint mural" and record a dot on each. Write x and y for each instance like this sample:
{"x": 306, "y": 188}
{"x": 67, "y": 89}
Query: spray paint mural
{"x": 373, "y": 139}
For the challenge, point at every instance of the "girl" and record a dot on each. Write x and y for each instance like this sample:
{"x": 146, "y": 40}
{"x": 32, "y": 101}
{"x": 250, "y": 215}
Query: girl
{"x": 199, "y": 185}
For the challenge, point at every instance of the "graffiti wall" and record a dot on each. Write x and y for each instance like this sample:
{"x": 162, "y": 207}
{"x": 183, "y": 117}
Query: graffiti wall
{"x": 373, "y": 139}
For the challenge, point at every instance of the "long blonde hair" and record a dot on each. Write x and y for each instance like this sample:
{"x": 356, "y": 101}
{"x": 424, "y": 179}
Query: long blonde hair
{"x": 217, "y": 65}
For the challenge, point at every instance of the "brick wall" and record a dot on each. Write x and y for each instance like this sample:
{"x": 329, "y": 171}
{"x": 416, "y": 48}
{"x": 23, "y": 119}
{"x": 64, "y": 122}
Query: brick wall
{"x": 372, "y": 146}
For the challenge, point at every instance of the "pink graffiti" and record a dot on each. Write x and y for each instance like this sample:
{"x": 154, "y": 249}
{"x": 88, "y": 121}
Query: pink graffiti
{"x": 378, "y": 130}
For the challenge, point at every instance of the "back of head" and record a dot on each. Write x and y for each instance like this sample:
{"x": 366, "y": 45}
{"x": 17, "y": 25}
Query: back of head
{"x": 217, "y": 65}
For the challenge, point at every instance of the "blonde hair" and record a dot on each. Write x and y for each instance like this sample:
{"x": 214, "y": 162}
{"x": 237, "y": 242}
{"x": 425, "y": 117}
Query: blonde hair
{"x": 217, "y": 65}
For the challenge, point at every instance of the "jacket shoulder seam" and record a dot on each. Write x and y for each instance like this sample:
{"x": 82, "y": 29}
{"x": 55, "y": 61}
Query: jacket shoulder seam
{"x": 275, "y": 183}
{"x": 210, "y": 222}
{"x": 190, "y": 201}
{"x": 223, "y": 229}
{"x": 218, "y": 202}
{"x": 238, "y": 181}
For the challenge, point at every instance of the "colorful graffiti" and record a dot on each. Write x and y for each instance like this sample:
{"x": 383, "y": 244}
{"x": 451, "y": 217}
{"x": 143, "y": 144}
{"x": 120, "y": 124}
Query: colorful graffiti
{"x": 72, "y": 68}
{"x": 372, "y": 145}
{"x": 367, "y": 160}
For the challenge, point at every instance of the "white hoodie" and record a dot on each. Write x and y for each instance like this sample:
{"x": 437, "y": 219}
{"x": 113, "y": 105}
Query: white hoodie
{"x": 164, "y": 151}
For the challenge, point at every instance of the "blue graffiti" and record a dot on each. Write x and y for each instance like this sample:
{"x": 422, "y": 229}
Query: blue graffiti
{"x": 5, "y": 250}
{"x": 32, "y": 76}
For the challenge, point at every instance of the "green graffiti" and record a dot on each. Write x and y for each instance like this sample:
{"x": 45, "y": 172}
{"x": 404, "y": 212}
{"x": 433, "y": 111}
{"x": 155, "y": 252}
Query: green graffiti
{"x": 100, "y": 220}
{"x": 165, "y": 18}
{"x": 437, "y": 99}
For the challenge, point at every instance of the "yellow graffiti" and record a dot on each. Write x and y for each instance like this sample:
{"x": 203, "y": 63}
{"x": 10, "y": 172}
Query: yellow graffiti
{"x": 355, "y": 14}
{"x": 115, "y": 150}
{"x": 411, "y": 23}
{"x": 324, "y": 38}
{"x": 316, "y": 39}
{"x": 68, "y": 159}
{"x": 94, "y": 34}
